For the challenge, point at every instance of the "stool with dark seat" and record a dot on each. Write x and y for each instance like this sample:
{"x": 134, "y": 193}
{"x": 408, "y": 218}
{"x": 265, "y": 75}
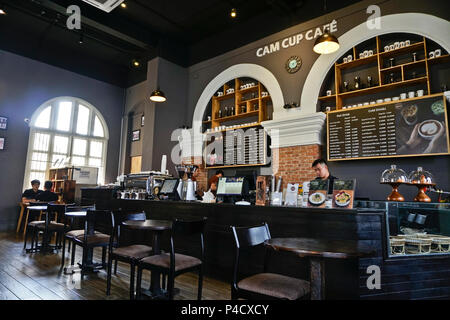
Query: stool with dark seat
{"x": 130, "y": 254}
{"x": 263, "y": 285}
{"x": 70, "y": 232}
{"x": 31, "y": 227}
{"x": 173, "y": 264}
{"x": 98, "y": 232}
{"x": 51, "y": 225}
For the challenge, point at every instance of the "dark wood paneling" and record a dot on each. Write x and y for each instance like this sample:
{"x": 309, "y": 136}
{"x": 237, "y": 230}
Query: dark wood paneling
{"x": 402, "y": 278}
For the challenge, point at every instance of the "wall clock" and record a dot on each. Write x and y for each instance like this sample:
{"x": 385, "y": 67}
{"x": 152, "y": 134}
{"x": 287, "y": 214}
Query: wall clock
{"x": 293, "y": 64}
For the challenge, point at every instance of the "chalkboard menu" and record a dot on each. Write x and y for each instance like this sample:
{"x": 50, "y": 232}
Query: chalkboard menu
{"x": 414, "y": 127}
{"x": 237, "y": 147}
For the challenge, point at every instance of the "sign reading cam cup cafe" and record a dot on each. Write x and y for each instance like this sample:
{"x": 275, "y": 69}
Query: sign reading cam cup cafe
{"x": 295, "y": 40}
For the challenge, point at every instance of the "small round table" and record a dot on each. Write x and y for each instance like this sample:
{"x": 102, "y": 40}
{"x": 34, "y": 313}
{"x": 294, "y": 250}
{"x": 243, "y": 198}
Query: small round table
{"x": 157, "y": 227}
{"x": 317, "y": 250}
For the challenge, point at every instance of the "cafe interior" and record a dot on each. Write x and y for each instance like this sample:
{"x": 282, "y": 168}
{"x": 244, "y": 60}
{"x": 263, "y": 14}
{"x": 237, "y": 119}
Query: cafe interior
{"x": 224, "y": 150}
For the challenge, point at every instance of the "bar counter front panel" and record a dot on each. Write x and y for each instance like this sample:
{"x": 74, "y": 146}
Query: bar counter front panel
{"x": 406, "y": 278}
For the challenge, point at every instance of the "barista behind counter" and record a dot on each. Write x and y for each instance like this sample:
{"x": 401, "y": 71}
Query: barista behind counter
{"x": 320, "y": 167}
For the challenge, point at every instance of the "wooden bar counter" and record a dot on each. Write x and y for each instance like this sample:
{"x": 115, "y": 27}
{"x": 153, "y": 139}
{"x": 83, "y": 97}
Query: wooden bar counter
{"x": 413, "y": 277}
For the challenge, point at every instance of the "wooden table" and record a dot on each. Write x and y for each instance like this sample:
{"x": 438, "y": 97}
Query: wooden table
{"x": 157, "y": 227}
{"x": 317, "y": 250}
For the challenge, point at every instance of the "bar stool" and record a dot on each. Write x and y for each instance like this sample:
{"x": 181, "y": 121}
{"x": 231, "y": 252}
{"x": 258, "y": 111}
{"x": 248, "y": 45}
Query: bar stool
{"x": 263, "y": 285}
{"x": 173, "y": 264}
{"x": 130, "y": 254}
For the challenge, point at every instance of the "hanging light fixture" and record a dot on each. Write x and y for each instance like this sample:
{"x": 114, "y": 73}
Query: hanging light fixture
{"x": 2, "y": 9}
{"x": 158, "y": 96}
{"x": 326, "y": 43}
{"x": 233, "y": 13}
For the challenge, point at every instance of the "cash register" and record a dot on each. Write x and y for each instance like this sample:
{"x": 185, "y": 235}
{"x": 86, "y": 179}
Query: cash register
{"x": 233, "y": 190}
{"x": 168, "y": 190}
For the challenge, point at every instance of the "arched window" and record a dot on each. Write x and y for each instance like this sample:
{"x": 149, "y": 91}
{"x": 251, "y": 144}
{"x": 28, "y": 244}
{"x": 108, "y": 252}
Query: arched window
{"x": 65, "y": 131}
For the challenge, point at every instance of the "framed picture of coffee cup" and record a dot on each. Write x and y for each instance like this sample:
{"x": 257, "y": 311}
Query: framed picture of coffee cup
{"x": 2, "y": 143}
{"x": 3, "y": 123}
{"x": 136, "y": 136}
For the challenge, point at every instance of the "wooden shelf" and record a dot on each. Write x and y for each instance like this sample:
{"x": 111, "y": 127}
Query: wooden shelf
{"x": 378, "y": 59}
{"x": 326, "y": 98}
{"x": 255, "y": 88}
{"x": 249, "y": 100}
{"x": 409, "y": 64}
{"x": 390, "y": 102}
{"x": 409, "y": 48}
{"x": 383, "y": 87}
{"x": 238, "y": 116}
{"x": 225, "y": 96}
{"x": 442, "y": 59}
{"x": 357, "y": 62}
{"x": 207, "y": 121}
{"x": 240, "y": 127}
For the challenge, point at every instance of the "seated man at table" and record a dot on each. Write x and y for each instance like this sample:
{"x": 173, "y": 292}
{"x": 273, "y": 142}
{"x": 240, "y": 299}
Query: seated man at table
{"x": 30, "y": 195}
{"x": 47, "y": 195}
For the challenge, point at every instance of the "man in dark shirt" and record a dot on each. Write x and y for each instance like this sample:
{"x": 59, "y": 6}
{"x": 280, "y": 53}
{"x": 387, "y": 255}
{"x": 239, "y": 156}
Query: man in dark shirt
{"x": 47, "y": 195}
{"x": 29, "y": 195}
{"x": 320, "y": 167}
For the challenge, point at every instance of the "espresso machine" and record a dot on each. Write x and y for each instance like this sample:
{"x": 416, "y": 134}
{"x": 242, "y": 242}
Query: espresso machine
{"x": 141, "y": 186}
{"x": 186, "y": 188}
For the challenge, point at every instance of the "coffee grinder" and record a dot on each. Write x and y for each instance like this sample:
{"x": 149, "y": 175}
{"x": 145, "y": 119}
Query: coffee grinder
{"x": 181, "y": 170}
{"x": 191, "y": 186}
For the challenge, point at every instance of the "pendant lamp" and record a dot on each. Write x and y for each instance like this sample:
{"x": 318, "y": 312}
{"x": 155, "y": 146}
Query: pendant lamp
{"x": 158, "y": 96}
{"x": 326, "y": 43}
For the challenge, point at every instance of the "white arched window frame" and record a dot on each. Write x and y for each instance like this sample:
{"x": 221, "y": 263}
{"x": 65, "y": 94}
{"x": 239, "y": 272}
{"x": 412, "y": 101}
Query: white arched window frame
{"x": 58, "y": 135}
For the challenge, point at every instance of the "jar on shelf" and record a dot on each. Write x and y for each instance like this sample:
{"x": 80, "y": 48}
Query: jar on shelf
{"x": 394, "y": 175}
{"x": 421, "y": 176}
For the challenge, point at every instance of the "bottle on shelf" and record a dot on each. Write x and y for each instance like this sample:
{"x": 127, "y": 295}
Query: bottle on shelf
{"x": 345, "y": 86}
{"x": 369, "y": 81}
{"x": 391, "y": 62}
{"x": 414, "y": 54}
{"x": 357, "y": 83}
{"x": 391, "y": 78}
{"x": 226, "y": 112}
{"x": 220, "y": 113}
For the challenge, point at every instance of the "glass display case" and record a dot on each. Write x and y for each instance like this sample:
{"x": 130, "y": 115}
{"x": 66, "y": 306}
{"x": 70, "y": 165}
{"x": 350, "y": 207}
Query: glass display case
{"x": 414, "y": 228}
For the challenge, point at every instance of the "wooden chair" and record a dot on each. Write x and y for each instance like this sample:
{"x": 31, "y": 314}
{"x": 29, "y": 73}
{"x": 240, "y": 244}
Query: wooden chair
{"x": 98, "y": 231}
{"x": 130, "y": 254}
{"x": 31, "y": 227}
{"x": 70, "y": 230}
{"x": 173, "y": 264}
{"x": 51, "y": 224}
{"x": 265, "y": 285}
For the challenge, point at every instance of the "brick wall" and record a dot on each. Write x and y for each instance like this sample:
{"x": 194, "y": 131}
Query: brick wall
{"x": 293, "y": 164}
{"x": 202, "y": 178}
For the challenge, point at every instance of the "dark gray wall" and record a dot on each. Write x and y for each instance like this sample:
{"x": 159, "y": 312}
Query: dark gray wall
{"x": 24, "y": 85}
{"x": 169, "y": 115}
{"x": 367, "y": 172}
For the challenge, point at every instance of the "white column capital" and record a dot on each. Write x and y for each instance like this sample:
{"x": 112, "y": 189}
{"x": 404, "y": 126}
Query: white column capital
{"x": 299, "y": 130}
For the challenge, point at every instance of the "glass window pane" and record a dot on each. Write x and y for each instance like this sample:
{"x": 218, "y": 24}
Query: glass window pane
{"x": 64, "y": 113}
{"x": 96, "y": 149}
{"x": 95, "y": 162}
{"x": 37, "y": 175}
{"x": 43, "y": 119}
{"x": 98, "y": 128}
{"x": 58, "y": 160}
{"x": 79, "y": 147}
{"x": 41, "y": 141}
{"x": 60, "y": 144}
{"x": 83, "y": 119}
{"x": 39, "y": 161}
{"x": 78, "y": 161}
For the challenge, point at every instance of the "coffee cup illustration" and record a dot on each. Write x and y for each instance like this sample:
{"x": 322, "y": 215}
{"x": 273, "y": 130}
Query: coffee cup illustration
{"x": 429, "y": 128}
{"x": 409, "y": 114}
